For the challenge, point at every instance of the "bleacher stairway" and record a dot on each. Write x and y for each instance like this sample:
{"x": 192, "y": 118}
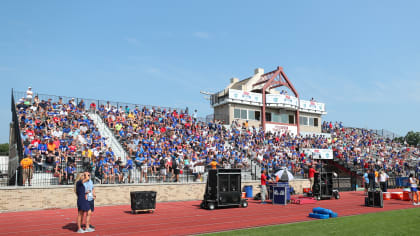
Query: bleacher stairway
{"x": 111, "y": 141}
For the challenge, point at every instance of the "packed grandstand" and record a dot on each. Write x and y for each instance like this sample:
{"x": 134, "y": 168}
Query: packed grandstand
{"x": 163, "y": 144}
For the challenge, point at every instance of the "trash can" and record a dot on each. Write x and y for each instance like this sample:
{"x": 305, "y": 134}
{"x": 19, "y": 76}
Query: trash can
{"x": 248, "y": 191}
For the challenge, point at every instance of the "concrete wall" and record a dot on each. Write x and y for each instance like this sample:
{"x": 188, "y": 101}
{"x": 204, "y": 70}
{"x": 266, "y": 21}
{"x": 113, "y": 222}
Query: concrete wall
{"x": 32, "y": 198}
{"x": 251, "y": 123}
{"x": 222, "y": 113}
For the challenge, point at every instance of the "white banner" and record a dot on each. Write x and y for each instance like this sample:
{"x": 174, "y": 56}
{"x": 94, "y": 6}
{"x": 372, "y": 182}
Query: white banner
{"x": 281, "y": 99}
{"x": 286, "y": 100}
{"x": 314, "y": 106}
{"x": 245, "y": 96}
{"x": 280, "y": 129}
{"x": 322, "y": 154}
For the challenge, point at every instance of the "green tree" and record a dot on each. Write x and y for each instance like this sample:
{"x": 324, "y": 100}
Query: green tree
{"x": 4, "y": 148}
{"x": 399, "y": 139}
{"x": 413, "y": 138}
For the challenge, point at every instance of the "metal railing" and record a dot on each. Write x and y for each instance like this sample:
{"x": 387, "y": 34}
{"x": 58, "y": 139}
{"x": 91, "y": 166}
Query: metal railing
{"x": 87, "y": 101}
{"x": 112, "y": 141}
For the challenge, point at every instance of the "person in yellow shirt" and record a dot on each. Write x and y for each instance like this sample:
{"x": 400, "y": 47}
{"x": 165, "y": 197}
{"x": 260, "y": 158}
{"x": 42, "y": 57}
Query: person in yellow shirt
{"x": 130, "y": 116}
{"x": 51, "y": 147}
{"x": 214, "y": 164}
{"x": 27, "y": 166}
{"x": 87, "y": 153}
{"x": 118, "y": 127}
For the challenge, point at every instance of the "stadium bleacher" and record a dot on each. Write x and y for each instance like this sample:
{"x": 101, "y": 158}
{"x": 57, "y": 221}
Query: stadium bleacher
{"x": 158, "y": 144}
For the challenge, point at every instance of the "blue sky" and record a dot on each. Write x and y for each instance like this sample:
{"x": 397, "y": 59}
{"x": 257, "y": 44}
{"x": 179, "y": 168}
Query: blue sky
{"x": 362, "y": 58}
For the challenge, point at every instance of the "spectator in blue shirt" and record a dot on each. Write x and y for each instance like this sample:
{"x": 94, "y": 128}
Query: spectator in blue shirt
{"x": 129, "y": 167}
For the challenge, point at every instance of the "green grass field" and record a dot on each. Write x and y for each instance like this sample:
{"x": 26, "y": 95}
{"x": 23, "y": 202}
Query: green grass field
{"x": 399, "y": 222}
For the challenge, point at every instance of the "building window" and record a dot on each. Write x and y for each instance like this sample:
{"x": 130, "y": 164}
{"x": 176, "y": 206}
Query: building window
{"x": 268, "y": 116}
{"x": 308, "y": 121}
{"x": 257, "y": 115}
{"x": 311, "y": 121}
{"x": 251, "y": 115}
{"x": 284, "y": 118}
{"x": 237, "y": 113}
{"x": 291, "y": 119}
{"x": 275, "y": 117}
{"x": 244, "y": 114}
{"x": 303, "y": 120}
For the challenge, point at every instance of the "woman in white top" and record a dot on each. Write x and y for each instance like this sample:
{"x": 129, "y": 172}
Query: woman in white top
{"x": 29, "y": 94}
{"x": 413, "y": 185}
{"x": 383, "y": 181}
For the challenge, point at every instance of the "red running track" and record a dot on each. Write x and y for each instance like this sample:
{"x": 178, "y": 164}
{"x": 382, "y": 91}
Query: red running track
{"x": 181, "y": 218}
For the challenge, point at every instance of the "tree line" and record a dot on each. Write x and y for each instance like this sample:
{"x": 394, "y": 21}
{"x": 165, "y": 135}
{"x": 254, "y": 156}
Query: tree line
{"x": 411, "y": 138}
{"x": 4, "y": 149}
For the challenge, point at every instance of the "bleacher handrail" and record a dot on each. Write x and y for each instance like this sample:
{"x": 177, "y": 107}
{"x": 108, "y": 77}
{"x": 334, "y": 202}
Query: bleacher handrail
{"x": 55, "y": 98}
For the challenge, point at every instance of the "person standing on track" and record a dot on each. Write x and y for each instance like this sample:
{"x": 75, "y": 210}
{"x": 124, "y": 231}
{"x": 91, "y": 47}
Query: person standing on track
{"x": 311, "y": 176}
{"x": 91, "y": 196}
{"x": 413, "y": 185}
{"x": 82, "y": 203}
{"x": 264, "y": 186}
{"x": 366, "y": 181}
{"x": 383, "y": 181}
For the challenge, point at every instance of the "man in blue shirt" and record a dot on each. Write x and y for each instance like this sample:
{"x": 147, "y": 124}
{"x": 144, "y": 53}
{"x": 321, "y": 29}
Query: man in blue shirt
{"x": 70, "y": 172}
{"x": 129, "y": 167}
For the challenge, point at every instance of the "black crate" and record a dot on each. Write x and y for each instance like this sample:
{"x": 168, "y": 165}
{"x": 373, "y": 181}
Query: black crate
{"x": 143, "y": 200}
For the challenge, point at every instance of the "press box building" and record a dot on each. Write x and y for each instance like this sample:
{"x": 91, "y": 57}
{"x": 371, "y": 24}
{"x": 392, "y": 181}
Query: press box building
{"x": 255, "y": 100}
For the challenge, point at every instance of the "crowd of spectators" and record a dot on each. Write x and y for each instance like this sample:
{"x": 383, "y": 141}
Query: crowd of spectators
{"x": 165, "y": 143}
{"x": 364, "y": 149}
{"x": 161, "y": 141}
{"x": 55, "y": 133}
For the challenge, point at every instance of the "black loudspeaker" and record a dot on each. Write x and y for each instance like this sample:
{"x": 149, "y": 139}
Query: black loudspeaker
{"x": 229, "y": 198}
{"x": 223, "y": 187}
{"x": 375, "y": 199}
{"x": 143, "y": 200}
{"x": 323, "y": 184}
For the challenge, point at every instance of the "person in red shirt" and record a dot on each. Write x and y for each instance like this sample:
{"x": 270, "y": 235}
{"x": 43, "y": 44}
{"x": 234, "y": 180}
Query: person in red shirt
{"x": 264, "y": 181}
{"x": 311, "y": 175}
{"x": 93, "y": 107}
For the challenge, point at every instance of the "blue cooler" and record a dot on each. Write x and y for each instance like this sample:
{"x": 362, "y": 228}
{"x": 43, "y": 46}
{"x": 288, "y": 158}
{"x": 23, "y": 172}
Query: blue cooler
{"x": 248, "y": 191}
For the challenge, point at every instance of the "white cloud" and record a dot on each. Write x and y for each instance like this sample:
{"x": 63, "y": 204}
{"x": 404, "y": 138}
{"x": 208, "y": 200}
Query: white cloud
{"x": 202, "y": 35}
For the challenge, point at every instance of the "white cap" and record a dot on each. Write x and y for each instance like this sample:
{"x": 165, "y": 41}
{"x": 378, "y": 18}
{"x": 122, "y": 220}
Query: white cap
{"x": 29, "y": 87}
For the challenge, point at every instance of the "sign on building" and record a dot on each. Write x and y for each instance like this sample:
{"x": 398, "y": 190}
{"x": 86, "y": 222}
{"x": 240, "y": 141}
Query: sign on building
{"x": 281, "y": 129}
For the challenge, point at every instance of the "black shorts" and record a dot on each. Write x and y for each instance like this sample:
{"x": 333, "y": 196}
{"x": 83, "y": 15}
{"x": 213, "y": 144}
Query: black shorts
{"x": 176, "y": 171}
{"x": 92, "y": 205}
